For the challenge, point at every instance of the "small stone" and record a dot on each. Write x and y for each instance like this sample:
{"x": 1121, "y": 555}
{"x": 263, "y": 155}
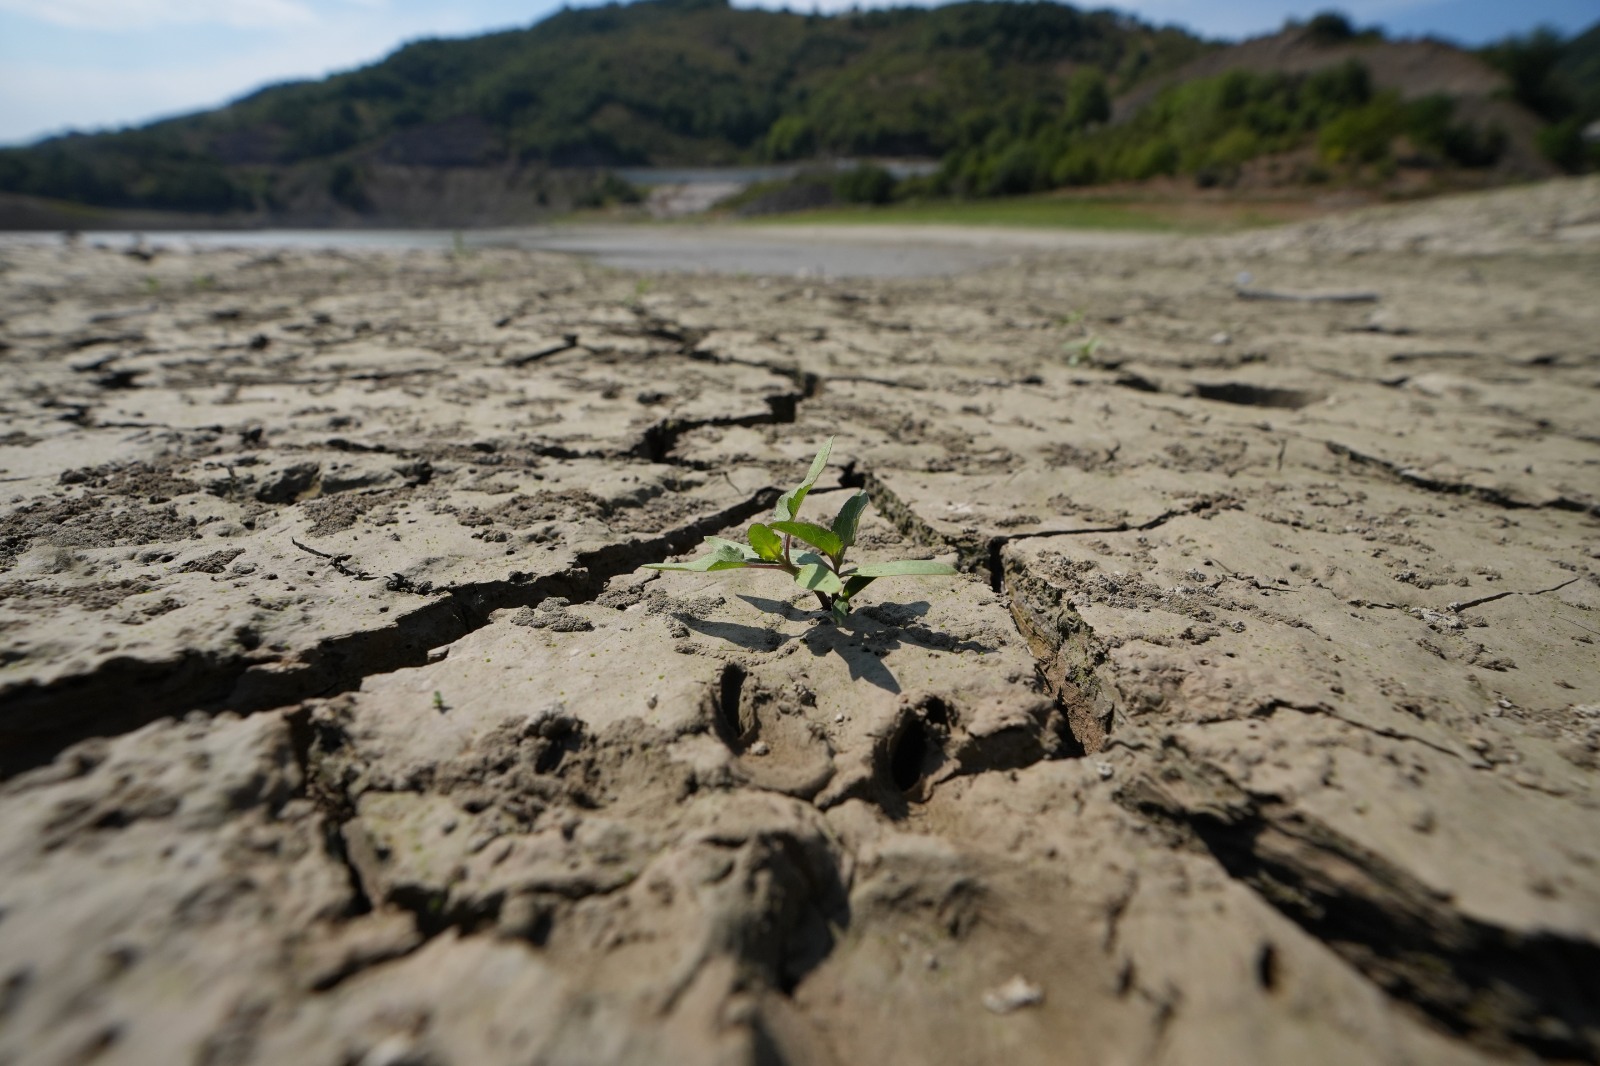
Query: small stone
{"x": 1105, "y": 770}
{"x": 1014, "y": 995}
{"x": 760, "y": 747}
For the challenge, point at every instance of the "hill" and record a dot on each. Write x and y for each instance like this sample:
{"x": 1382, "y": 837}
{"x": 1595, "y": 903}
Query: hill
{"x": 1579, "y": 64}
{"x": 1413, "y": 70}
{"x": 1560, "y": 82}
{"x": 1313, "y": 102}
{"x": 661, "y": 82}
{"x": 1013, "y": 97}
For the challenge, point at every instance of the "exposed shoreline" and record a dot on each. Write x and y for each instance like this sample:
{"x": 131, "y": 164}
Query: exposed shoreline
{"x": 335, "y": 713}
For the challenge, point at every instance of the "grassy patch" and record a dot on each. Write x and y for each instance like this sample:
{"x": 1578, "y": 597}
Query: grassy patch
{"x": 1058, "y": 212}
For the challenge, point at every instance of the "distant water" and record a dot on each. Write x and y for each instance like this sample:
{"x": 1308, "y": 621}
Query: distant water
{"x": 308, "y": 239}
{"x": 767, "y": 251}
{"x": 900, "y": 168}
{"x": 693, "y": 249}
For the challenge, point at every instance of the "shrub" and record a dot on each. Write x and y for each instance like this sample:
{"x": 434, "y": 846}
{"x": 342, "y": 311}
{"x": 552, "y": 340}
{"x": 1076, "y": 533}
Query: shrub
{"x": 865, "y": 184}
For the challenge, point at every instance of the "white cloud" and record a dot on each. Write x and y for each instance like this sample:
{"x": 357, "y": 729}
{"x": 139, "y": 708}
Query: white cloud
{"x": 144, "y": 14}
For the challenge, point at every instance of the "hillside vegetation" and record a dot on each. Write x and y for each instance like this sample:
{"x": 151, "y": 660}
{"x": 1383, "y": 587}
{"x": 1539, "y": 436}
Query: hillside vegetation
{"x": 1560, "y": 82}
{"x": 1318, "y": 102}
{"x": 661, "y": 82}
{"x": 1012, "y": 97}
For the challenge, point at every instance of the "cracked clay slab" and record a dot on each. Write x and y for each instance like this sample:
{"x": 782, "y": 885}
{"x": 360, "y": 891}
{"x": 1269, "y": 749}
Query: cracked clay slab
{"x": 1261, "y": 725}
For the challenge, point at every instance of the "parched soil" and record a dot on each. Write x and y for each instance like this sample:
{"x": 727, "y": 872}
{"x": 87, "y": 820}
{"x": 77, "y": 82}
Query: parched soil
{"x": 338, "y": 724}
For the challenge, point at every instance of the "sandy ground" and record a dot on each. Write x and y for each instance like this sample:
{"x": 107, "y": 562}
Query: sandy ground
{"x": 1262, "y": 726}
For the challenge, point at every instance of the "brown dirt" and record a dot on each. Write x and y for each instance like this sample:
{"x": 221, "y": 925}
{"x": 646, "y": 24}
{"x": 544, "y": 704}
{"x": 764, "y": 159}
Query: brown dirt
{"x": 1263, "y": 724}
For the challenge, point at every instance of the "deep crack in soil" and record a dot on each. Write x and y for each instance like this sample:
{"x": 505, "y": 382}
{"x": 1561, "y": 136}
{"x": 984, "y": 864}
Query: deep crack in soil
{"x": 45, "y": 719}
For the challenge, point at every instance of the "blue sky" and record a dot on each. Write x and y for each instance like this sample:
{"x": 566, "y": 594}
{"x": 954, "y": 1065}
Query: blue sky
{"x": 94, "y": 64}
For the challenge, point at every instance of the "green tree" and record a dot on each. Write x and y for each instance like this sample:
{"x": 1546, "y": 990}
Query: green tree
{"x": 1088, "y": 99}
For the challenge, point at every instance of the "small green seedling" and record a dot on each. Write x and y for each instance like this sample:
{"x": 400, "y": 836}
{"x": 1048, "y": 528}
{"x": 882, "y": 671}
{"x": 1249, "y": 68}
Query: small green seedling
{"x": 822, "y": 571}
{"x": 1082, "y": 351}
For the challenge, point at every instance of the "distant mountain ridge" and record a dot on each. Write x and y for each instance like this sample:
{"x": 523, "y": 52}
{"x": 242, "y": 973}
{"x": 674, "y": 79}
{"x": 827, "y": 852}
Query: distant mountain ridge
{"x": 504, "y": 127}
{"x": 656, "y": 82}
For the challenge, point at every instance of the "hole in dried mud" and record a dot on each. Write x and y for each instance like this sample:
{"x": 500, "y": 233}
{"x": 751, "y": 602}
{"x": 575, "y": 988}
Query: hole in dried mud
{"x": 564, "y": 738}
{"x": 11, "y": 991}
{"x": 539, "y": 930}
{"x": 997, "y": 566}
{"x": 1137, "y": 382}
{"x": 102, "y": 1041}
{"x": 917, "y": 749}
{"x": 909, "y": 755}
{"x": 1267, "y": 968}
{"x": 726, "y": 720}
{"x": 1238, "y": 392}
{"x": 1126, "y": 979}
{"x": 428, "y": 908}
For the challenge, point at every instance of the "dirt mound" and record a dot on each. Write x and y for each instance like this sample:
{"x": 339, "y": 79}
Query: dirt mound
{"x": 1262, "y": 725}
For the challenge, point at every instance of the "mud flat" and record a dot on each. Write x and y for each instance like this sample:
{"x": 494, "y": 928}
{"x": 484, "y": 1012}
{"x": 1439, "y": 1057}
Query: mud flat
{"x": 1263, "y": 725}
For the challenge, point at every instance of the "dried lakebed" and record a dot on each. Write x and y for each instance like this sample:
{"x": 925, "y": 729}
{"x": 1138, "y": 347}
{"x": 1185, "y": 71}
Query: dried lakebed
{"x": 1263, "y": 725}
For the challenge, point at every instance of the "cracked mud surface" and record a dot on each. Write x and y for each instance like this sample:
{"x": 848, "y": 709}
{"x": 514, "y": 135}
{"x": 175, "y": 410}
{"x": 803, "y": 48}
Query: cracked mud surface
{"x": 1263, "y": 725}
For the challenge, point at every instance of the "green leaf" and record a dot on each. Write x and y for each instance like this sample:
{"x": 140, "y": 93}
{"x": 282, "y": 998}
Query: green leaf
{"x": 722, "y": 544}
{"x": 849, "y": 519}
{"x": 841, "y": 610}
{"x": 702, "y": 565}
{"x": 818, "y": 578}
{"x": 855, "y": 583}
{"x": 724, "y": 555}
{"x": 767, "y": 544}
{"x": 824, "y": 540}
{"x": 904, "y": 568}
{"x": 789, "y": 503}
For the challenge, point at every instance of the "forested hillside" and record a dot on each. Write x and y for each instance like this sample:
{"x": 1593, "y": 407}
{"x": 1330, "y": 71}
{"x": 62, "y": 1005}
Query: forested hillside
{"x": 1012, "y": 97}
{"x": 1314, "y": 103}
{"x": 659, "y": 82}
{"x": 1560, "y": 82}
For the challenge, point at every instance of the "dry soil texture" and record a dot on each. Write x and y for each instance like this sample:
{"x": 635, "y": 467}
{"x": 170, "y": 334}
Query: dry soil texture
{"x": 1262, "y": 726}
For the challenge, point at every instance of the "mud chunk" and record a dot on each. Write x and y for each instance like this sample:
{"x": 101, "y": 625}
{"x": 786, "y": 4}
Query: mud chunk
{"x": 552, "y": 614}
{"x": 286, "y": 485}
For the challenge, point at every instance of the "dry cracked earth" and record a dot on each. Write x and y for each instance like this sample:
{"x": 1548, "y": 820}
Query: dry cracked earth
{"x": 338, "y": 724}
